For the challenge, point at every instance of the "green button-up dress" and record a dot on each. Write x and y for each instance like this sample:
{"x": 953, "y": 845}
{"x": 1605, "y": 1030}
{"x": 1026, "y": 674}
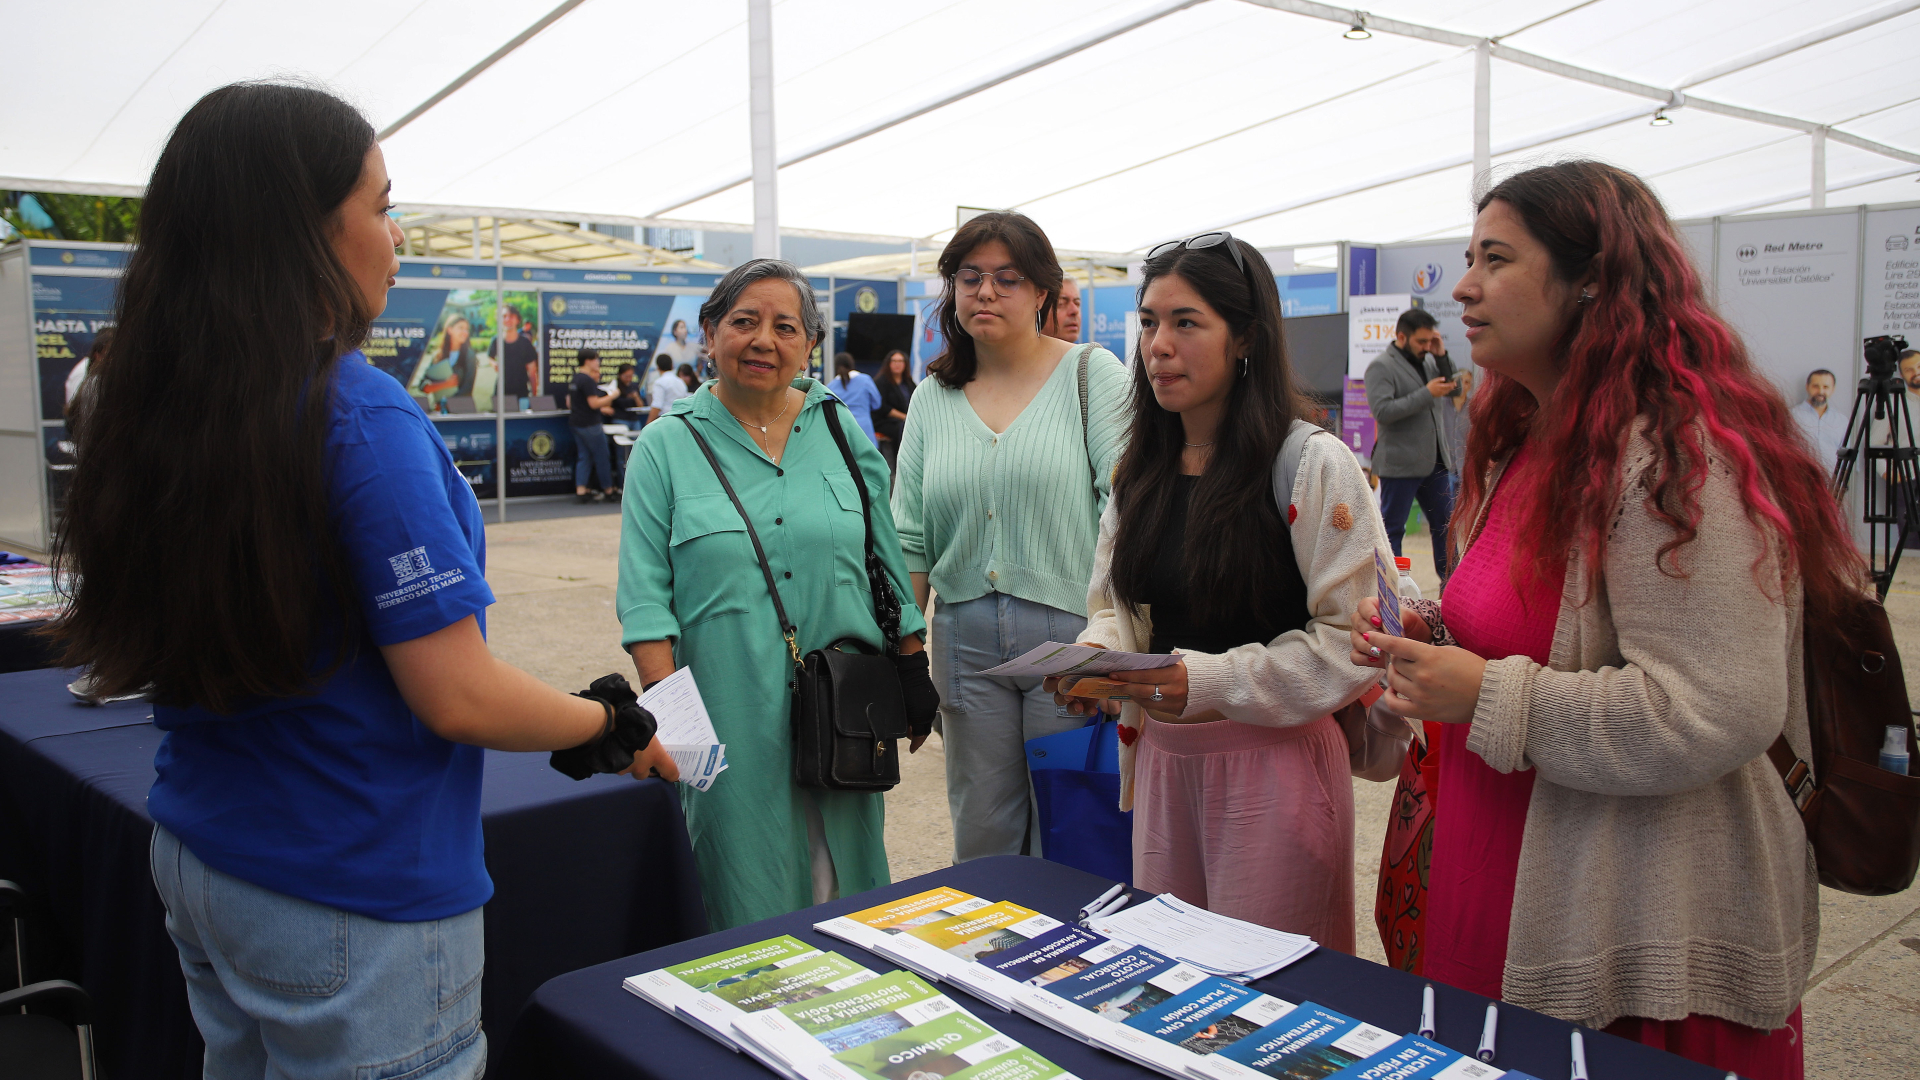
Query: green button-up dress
{"x": 688, "y": 573}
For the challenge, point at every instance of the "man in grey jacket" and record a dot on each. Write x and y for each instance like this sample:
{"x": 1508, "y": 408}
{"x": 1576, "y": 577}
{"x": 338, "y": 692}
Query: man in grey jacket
{"x": 1407, "y": 387}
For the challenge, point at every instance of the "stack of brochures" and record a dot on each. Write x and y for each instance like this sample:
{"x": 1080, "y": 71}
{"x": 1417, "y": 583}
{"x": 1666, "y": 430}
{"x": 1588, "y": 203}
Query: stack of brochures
{"x": 1164, "y": 1003}
{"x": 812, "y": 1015}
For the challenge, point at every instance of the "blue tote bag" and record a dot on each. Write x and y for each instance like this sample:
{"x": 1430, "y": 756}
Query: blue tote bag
{"x": 1076, "y": 788}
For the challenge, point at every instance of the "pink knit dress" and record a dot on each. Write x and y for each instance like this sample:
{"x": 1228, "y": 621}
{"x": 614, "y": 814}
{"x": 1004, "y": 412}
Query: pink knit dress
{"x": 1477, "y": 835}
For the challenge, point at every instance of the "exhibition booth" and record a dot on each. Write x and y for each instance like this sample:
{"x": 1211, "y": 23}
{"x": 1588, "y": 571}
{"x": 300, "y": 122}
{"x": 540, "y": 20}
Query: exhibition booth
{"x": 487, "y": 348}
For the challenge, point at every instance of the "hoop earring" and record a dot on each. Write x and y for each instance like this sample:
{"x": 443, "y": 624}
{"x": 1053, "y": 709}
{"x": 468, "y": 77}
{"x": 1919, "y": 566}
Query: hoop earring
{"x": 1243, "y": 367}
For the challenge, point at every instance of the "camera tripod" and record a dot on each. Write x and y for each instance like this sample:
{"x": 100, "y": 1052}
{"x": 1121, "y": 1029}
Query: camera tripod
{"x": 1887, "y": 509}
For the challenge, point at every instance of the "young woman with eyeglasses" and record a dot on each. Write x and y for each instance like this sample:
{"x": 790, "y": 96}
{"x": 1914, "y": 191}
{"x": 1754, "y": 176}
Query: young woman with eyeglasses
{"x": 1002, "y": 477}
{"x": 1236, "y": 771}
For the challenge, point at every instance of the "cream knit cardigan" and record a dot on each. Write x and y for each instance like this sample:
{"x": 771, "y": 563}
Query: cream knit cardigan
{"x": 1303, "y": 674}
{"x": 1663, "y": 870}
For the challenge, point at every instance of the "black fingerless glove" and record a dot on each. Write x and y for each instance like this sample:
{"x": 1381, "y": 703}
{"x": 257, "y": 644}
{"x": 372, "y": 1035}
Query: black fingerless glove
{"x": 629, "y": 730}
{"x": 916, "y": 686}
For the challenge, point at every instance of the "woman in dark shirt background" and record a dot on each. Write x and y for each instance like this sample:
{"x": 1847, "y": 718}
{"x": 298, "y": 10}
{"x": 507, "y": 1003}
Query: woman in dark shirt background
{"x": 890, "y": 419}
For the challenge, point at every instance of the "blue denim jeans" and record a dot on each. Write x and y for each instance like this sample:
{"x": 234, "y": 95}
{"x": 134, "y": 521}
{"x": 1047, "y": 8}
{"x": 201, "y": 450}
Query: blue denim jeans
{"x": 1435, "y": 494}
{"x": 986, "y": 720}
{"x": 591, "y": 454}
{"x": 282, "y": 987}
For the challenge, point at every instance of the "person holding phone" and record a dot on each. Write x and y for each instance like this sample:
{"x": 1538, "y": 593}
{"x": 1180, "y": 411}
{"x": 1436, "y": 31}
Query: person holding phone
{"x": 1621, "y": 642}
{"x": 316, "y": 808}
{"x": 1407, "y": 390}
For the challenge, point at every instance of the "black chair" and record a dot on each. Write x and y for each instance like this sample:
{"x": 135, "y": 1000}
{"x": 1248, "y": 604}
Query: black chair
{"x": 46, "y": 1028}
{"x": 50, "y": 1037}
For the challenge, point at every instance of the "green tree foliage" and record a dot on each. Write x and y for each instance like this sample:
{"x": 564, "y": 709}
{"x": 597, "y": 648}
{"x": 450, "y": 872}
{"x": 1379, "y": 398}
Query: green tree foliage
{"x": 46, "y": 216}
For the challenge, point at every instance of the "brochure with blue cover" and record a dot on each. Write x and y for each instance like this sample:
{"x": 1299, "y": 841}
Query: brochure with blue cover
{"x": 1214, "y": 1014}
{"x": 1134, "y": 980}
{"x": 1413, "y": 1056}
{"x": 1307, "y": 1043}
{"x": 1065, "y": 951}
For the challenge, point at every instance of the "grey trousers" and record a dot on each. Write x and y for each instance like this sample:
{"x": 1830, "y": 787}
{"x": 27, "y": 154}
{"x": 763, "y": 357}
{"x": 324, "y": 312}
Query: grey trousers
{"x": 986, "y": 720}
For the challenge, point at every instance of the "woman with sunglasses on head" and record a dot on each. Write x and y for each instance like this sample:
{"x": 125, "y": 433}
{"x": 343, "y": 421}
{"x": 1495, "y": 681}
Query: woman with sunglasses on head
{"x": 1621, "y": 642}
{"x": 1004, "y": 468}
{"x": 1234, "y": 767}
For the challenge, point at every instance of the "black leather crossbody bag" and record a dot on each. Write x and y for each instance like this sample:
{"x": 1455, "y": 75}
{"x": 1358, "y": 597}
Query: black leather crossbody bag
{"x": 848, "y": 714}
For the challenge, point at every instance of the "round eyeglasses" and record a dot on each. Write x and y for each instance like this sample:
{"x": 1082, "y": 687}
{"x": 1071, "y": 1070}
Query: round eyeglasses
{"x": 1197, "y": 243}
{"x": 1004, "y": 281}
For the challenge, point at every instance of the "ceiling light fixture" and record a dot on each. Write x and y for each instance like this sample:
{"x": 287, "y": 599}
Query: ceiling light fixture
{"x": 1660, "y": 119}
{"x": 1358, "y": 31}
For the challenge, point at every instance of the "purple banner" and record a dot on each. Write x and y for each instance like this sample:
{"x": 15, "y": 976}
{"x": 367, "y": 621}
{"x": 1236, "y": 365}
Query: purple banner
{"x": 1356, "y": 420}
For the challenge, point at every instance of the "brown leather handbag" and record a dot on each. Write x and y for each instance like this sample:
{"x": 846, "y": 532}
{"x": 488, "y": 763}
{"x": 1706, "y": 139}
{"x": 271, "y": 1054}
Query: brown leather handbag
{"x": 1863, "y": 821}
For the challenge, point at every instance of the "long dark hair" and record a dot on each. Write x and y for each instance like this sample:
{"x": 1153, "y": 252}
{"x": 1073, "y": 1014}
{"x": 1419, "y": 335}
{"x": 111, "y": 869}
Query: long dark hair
{"x": 1232, "y": 519}
{"x": 1647, "y": 347}
{"x": 196, "y": 543}
{"x": 886, "y": 369}
{"x": 1032, "y": 256}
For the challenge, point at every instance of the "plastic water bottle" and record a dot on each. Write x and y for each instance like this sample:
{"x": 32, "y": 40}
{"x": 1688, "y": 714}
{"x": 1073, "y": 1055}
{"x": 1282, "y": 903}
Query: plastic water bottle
{"x": 1893, "y": 753}
{"x": 1408, "y": 587}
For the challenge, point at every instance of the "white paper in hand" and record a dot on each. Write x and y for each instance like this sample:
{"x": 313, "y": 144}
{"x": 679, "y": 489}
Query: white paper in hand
{"x": 685, "y": 729}
{"x": 1060, "y": 658}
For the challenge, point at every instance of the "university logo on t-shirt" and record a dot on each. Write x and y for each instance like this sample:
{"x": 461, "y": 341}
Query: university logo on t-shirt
{"x": 409, "y": 565}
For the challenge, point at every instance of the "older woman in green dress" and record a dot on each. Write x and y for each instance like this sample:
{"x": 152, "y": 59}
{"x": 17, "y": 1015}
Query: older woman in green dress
{"x": 692, "y": 594}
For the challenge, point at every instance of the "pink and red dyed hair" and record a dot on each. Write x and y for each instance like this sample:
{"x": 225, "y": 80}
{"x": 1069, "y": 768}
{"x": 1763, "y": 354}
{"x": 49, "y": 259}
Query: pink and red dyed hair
{"x": 1647, "y": 346}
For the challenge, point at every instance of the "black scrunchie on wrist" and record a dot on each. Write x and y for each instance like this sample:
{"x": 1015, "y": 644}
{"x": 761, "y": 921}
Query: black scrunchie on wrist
{"x": 916, "y": 686}
{"x": 629, "y": 730}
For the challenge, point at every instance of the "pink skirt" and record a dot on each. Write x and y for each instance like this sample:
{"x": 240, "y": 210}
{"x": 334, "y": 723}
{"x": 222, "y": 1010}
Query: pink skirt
{"x": 1248, "y": 821}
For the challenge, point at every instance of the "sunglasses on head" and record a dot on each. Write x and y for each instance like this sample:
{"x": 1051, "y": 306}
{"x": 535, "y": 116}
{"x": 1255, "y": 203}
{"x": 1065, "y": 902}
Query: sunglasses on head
{"x": 1204, "y": 240}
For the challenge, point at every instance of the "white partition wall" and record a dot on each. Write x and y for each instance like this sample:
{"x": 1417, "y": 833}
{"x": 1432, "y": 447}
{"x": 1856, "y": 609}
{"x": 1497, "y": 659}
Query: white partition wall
{"x": 1790, "y": 284}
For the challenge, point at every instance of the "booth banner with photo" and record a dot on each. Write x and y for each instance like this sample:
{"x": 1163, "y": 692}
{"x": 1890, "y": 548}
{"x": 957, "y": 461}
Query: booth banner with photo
{"x": 1789, "y": 285}
{"x": 622, "y": 327}
{"x": 437, "y": 344}
{"x": 683, "y": 343}
{"x": 1890, "y": 295}
{"x": 471, "y": 443}
{"x": 67, "y": 313}
{"x": 540, "y": 456}
{"x": 518, "y": 340}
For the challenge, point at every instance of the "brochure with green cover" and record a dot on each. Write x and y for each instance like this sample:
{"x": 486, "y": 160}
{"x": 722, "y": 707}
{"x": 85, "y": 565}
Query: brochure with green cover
{"x": 709, "y": 973}
{"x": 818, "y": 976}
{"x": 957, "y": 1046}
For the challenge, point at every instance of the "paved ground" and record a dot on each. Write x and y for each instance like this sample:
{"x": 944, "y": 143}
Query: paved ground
{"x": 554, "y": 579}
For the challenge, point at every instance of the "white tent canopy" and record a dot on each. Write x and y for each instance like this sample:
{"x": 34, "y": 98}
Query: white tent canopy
{"x": 1116, "y": 123}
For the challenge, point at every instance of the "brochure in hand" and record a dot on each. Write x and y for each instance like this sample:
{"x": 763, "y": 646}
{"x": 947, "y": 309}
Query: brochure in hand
{"x": 955, "y": 1047}
{"x": 1305, "y": 1044}
{"x": 689, "y": 990}
{"x": 1111, "y": 991}
{"x": 1065, "y": 950}
{"x": 822, "y": 1027}
{"x": 1413, "y": 1056}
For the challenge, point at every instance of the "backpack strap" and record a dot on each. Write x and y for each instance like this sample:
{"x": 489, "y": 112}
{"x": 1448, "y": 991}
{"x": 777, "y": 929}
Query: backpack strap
{"x": 1086, "y": 441}
{"x": 1286, "y": 467}
{"x": 1795, "y": 771}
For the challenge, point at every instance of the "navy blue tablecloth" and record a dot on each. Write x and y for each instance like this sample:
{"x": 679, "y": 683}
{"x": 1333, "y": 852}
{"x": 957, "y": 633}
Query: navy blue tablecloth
{"x": 586, "y": 1027}
{"x": 582, "y": 872}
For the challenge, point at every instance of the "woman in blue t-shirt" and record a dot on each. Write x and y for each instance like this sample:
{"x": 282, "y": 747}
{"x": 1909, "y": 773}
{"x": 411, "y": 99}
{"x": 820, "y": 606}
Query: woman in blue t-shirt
{"x": 266, "y": 533}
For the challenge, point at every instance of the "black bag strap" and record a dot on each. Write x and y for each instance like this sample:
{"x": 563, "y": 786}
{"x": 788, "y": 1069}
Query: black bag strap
{"x": 787, "y": 628}
{"x": 886, "y": 607}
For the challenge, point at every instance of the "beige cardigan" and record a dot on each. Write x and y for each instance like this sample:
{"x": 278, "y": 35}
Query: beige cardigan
{"x": 1301, "y": 675}
{"x": 1663, "y": 870}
